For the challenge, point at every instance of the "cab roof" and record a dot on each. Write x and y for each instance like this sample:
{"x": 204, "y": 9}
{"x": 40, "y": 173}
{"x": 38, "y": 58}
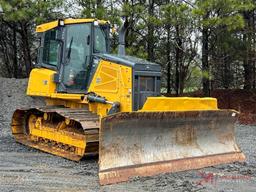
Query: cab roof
{"x": 47, "y": 26}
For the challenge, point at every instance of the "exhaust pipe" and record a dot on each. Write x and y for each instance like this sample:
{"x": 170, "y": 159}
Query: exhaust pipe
{"x": 121, "y": 39}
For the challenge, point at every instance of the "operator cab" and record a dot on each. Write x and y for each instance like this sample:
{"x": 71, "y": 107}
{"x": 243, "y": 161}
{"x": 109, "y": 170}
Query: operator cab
{"x": 68, "y": 48}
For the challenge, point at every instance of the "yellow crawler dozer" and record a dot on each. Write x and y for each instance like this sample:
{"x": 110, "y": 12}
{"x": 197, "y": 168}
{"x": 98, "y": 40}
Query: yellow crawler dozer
{"x": 100, "y": 103}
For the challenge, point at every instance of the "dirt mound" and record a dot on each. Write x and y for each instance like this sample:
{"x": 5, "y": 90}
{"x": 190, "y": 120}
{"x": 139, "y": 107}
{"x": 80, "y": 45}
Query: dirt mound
{"x": 13, "y": 96}
{"x": 243, "y": 101}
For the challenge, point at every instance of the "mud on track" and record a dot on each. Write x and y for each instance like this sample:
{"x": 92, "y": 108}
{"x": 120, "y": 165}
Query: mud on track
{"x": 25, "y": 169}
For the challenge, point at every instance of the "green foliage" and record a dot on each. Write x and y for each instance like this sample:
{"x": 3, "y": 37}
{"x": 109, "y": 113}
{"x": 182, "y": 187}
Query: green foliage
{"x": 30, "y": 10}
{"x": 176, "y": 13}
{"x": 225, "y": 13}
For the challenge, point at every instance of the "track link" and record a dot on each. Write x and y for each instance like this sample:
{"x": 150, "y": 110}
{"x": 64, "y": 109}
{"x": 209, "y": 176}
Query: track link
{"x": 65, "y": 132}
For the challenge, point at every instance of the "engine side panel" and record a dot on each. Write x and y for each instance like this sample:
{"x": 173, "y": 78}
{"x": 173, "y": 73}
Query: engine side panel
{"x": 114, "y": 82}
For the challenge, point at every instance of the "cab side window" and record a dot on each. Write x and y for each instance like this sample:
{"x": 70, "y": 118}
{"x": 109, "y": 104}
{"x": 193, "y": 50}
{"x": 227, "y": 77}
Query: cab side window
{"x": 50, "y": 48}
{"x": 100, "y": 45}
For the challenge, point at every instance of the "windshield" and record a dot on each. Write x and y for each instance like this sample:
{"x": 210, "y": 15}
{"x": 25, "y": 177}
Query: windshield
{"x": 77, "y": 52}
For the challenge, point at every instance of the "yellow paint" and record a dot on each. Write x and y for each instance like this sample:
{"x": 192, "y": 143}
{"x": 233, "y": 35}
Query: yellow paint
{"x": 41, "y": 84}
{"x": 40, "y": 129}
{"x": 66, "y": 103}
{"x": 47, "y": 26}
{"x": 179, "y": 104}
{"x": 58, "y": 136}
{"x": 114, "y": 82}
{"x": 68, "y": 96}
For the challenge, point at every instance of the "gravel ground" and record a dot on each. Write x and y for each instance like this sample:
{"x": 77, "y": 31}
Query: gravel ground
{"x": 26, "y": 169}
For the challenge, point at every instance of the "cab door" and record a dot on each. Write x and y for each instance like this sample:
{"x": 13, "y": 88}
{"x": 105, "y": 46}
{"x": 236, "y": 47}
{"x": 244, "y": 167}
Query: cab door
{"x": 76, "y": 58}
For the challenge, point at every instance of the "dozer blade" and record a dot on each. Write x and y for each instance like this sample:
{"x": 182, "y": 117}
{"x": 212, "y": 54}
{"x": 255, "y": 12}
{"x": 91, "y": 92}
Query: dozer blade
{"x": 150, "y": 143}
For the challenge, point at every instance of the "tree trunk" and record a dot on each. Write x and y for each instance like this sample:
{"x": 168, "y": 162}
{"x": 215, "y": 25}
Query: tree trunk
{"x": 150, "y": 39}
{"x": 228, "y": 78}
{"x": 168, "y": 58}
{"x": 6, "y": 58}
{"x": 178, "y": 55}
{"x": 26, "y": 49}
{"x": 248, "y": 60}
{"x": 253, "y": 48}
{"x": 15, "y": 59}
{"x": 5, "y": 55}
{"x": 205, "y": 61}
